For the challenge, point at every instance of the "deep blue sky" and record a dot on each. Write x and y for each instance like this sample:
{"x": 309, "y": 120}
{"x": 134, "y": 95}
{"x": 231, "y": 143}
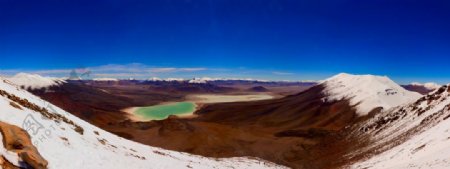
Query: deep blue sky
{"x": 407, "y": 40}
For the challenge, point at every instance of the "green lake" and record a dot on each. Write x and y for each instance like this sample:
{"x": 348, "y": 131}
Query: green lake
{"x": 163, "y": 111}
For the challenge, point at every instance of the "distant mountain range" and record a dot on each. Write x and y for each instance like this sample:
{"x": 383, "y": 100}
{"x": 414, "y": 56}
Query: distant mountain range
{"x": 346, "y": 121}
{"x": 422, "y": 88}
{"x": 35, "y": 81}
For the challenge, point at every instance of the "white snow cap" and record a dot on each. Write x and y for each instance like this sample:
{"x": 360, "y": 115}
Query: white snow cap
{"x": 34, "y": 81}
{"x": 203, "y": 80}
{"x": 155, "y": 79}
{"x": 197, "y": 80}
{"x": 63, "y": 147}
{"x": 105, "y": 79}
{"x": 174, "y": 79}
{"x": 367, "y": 91}
{"x": 429, "y": 85}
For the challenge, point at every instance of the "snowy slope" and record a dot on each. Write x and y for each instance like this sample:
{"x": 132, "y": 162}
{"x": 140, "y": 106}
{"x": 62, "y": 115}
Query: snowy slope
{"x": 367, "y": 91}
{"x": 34, "y": 81}
{"x": 414, "y": 136}
{"x": 63, "y": 145}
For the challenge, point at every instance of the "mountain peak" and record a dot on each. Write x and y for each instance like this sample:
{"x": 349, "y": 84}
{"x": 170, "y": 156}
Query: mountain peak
{"x": 367, "y": 92}
{"x": 34, "y": 81}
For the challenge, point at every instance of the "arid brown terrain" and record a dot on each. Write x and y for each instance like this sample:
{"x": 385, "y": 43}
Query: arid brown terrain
{"x": 281, "y": 130}
{"x": 101, "y": 103}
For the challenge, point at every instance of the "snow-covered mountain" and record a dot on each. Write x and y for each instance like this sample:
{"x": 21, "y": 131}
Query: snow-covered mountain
{"x": 424, "y": 88}
{"x": 105, "y": 79}
{"x": 34, "y": 81}
{"x": 203, "y": 80}
{"x": 66, "y": 141}
{"x": 429, "y": 85}
{"x": 155, "y": 79}
{"x": 210, "y": 79}
{"x": 367, "y": 91}
{"x": 416, "y": 135}
{"x": 174, "y": 79}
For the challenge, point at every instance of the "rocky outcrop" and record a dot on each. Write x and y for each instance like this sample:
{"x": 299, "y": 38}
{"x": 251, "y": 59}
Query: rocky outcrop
{"x": 173, "y": 124}
{"x": 18, "y": 141}
{"x": 258, "y": 89}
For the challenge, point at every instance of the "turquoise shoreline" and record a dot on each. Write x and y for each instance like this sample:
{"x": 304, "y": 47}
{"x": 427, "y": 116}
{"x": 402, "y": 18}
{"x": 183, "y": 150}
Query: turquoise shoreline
{"x": 163, "y": 111}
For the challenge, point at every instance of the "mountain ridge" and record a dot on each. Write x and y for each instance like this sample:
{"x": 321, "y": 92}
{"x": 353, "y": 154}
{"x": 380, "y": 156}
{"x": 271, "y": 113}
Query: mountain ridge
{"x": 34, "y": 81}
{"x": 416, "y": 134}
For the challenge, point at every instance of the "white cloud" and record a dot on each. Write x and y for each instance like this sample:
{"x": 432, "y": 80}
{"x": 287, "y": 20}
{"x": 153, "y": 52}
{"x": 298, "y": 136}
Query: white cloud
{"x": 119, "y": 75}
{"x": 192, "y": 69}
{"x": 142, "y": 71}
{"x": 282, "y": 73}
{"x": 171, "y": 70}
{"x": 163, "y": 70}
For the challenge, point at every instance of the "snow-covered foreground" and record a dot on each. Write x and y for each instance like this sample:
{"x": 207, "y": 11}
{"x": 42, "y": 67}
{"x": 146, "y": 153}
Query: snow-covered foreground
{"x": 367, "y": 92}
{"x": 414, "y": 136}
{"x": 63, "y": 147}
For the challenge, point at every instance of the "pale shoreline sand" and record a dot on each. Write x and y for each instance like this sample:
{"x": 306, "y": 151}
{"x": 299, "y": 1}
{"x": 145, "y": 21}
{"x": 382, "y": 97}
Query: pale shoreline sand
{"x": 212, "y": 98}
{"x": 130, "y": 113}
